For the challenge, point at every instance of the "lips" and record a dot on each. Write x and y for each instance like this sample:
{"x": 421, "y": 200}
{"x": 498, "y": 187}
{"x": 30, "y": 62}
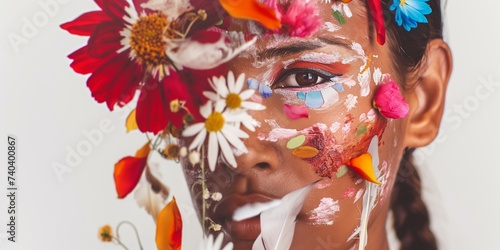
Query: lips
{"x": 248, "y": 229}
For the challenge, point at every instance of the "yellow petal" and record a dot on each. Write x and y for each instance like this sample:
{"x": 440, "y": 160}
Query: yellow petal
{"x": 305, "y": 152}
{"x": 131, "y": 123}
{"x": 169, "y": 228}
{"x": 363, "y": 166}
{"x": 252, "y": 10}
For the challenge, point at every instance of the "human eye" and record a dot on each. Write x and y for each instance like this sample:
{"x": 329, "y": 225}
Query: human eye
{"x": 303, "y": 77}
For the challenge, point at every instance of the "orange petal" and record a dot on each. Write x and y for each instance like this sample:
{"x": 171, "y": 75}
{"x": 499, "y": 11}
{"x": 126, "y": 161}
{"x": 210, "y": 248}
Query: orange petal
{"x": 252, "y": 10}
{"x": 128, "y": 171}
{"x": 131, "y": 123}
{"x": 144, "y": 151}
{"x": 305, "y": 152}
{"x": 169, "y": 227}
{"x": 362, "y": 165}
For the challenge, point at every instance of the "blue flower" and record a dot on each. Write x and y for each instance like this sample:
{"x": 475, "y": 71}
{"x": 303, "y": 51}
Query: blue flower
{"x": 410, "y": 12}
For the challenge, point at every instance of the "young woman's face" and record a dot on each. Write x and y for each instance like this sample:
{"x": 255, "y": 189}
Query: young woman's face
{"x": 318, "y": 117}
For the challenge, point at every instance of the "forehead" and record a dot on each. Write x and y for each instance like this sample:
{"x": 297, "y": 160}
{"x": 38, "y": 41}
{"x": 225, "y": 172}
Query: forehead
{"x": 343, "y": 25}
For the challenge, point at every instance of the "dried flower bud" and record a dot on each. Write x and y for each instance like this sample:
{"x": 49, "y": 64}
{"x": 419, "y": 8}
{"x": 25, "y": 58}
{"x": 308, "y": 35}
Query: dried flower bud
{"x": 206, "y": 194}
{"x": 194, "y": 157}
{"x": 105, "y": 233}
{"x": 171, "y": 152}
{"x": 202, "y": 14}
{"x": 183, "y": 152}
{"x": 175, "y": 106}
{"x": 216, "y": 227}
{"x": 216, "y": 196}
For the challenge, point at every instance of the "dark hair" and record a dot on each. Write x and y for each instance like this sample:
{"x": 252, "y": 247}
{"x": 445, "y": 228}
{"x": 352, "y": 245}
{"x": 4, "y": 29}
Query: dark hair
{"x": 411, "y": 217}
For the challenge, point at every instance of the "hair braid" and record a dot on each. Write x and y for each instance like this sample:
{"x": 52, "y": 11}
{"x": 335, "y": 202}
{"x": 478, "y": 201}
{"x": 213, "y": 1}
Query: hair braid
{"x": 411, "y": 217}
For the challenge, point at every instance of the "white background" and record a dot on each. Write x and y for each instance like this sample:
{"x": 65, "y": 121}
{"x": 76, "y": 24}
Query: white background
{"x": 49, "y": 108}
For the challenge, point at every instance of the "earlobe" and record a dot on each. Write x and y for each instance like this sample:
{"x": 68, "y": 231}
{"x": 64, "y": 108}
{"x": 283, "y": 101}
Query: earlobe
{"x": 427, "y": 97}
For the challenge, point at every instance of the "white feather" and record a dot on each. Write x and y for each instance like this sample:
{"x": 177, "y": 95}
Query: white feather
{"x": 254, "y": 209}
{"x": 369, "y": 196}
{"x": 278, "y": 224}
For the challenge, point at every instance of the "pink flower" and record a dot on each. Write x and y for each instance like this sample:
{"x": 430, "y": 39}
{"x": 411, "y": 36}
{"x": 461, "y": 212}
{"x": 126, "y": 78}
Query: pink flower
{"x": 389, "y": 101}
{"x": 302, "y": 18}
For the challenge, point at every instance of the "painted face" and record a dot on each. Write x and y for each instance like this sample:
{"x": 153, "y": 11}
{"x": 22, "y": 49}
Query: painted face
{"x": 318, "y": 94}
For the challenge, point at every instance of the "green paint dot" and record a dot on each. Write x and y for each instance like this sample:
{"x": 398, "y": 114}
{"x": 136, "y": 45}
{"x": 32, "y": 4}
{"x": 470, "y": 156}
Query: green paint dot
{"x": 339, "y": 17}
{"x": 296, "y": 142}
{"x": 361, "y": 129}
{"x": 342, "y": 171}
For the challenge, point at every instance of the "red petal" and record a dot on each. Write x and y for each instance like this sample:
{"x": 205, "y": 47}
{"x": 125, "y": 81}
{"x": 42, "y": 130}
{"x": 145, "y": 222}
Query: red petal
{"x": 206, "y": 36}
{"x": 128, "y": 171}
{"x": 85, "y": 24}
{"x": 153, "y": 106}
{"x": 375, "y": 7}
{"x": 83, "y": 63}
{"x": 114, "y": 8}
{"x": 115, "y": 81}
{"x": 198, "y": 82}
{"x": 105, "y": 40}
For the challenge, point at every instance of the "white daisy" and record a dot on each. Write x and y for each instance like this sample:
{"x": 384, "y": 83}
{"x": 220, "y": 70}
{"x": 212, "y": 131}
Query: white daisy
{"x": 209, "y": 244}
{"x": 219, "y": 125}
{"x": 230, "y": 92}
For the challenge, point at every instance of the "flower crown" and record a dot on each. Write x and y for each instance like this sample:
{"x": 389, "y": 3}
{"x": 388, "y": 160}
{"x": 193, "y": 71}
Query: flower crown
{"x": 174, "y": 53}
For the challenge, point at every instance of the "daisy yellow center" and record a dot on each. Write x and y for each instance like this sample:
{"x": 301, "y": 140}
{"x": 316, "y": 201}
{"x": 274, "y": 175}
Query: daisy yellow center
{"x": 402, "y": 2}
{"x": 214, "y": 122}
{"x": 233, "y": 101}
{"x": 147, "y": 39}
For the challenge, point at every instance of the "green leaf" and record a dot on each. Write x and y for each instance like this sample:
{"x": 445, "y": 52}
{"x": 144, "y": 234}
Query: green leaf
{"x": 339, "y": 17}
{"x": 296, "y": 142}
{"x": 342, "y": 171}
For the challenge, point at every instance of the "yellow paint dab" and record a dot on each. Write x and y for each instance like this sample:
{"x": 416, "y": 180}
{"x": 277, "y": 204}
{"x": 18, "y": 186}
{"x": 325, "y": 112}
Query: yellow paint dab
{"x": 362, "y": 165}
{"x": 368, "y": 63}
{"x": 305, "y": 152}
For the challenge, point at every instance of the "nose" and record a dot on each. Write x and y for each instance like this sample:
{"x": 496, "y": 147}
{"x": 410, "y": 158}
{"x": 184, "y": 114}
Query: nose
{"x": 262, "y": 157}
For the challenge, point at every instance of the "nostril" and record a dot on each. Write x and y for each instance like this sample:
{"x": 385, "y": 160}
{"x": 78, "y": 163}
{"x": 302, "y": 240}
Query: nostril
{"x": 263, "y": 165}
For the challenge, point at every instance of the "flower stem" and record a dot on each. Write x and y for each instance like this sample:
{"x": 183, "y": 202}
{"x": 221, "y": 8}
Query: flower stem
{"x": 120, "y": 243}
{"x": 135, "y": 230}
{"x": 203, "y": 187}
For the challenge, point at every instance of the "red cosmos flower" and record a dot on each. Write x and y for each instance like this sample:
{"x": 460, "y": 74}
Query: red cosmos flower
{"x": 127, "y": 51}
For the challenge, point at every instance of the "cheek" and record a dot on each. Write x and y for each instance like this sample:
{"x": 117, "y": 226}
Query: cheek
{"x": 328, "y": 142}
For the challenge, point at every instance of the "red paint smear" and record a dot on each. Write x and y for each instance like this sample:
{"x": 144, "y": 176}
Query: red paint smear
{"x": 331, "y": 156}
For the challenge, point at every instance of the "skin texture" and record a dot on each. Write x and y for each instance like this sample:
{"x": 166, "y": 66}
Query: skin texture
{"x": 270, "y": 169}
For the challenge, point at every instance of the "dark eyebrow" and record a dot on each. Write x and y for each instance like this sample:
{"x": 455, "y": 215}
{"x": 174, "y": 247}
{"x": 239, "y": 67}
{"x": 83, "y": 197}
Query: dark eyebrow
{"x": 300, "y": 46}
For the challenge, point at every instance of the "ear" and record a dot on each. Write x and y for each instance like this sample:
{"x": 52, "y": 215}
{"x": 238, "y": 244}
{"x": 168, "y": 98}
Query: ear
{"x": 427, "y": 97}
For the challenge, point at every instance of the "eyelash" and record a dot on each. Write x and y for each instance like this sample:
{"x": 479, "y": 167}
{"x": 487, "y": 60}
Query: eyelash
{"x": 324, "y": 75}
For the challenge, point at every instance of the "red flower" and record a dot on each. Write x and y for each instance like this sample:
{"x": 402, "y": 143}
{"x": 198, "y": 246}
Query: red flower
{"x": 389, "y": 101}
{"x": 128, "y": 171}
{"x": 126, "y": 53}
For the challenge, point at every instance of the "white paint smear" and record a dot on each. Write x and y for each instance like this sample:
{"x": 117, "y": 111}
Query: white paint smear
{"x": 324, "y": 214}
